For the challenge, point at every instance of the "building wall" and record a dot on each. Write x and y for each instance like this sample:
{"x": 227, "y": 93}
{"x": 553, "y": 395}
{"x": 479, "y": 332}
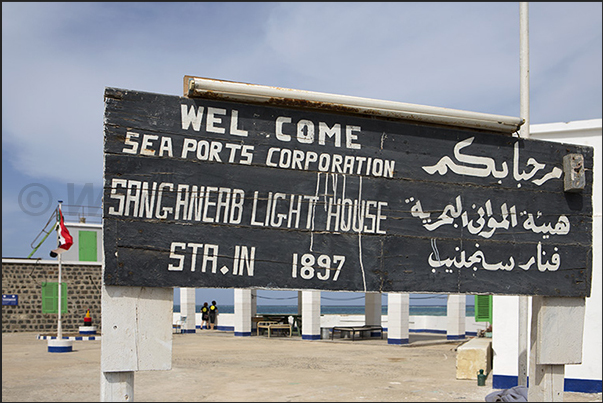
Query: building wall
{"x": 24, "y": 278}
{"x": 585, "y": 377}
{"x": 73, "y": 254}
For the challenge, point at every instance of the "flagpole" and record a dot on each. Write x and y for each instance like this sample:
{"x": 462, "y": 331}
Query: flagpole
{"x": 64, "y": 241}
{"x": 59, "y": 327}
{"x": 524, "y": 132}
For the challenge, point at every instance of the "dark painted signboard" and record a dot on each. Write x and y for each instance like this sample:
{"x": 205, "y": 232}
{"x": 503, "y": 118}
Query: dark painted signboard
{"x": 221, "y": 194}
{"x": 10, "y": 299}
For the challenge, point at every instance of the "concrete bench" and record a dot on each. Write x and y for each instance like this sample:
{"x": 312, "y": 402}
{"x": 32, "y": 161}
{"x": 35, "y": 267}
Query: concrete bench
{"x": 472, "y": 356}
{"x": 356, "y": 329}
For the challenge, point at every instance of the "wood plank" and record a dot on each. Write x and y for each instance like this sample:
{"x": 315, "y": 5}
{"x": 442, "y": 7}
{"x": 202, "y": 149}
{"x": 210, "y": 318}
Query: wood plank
{"x": 217, "y": 194}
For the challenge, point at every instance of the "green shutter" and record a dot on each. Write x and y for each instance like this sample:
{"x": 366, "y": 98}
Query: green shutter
{"x": 50, "y": 295}
{"x": 87, "y": 246}
{"x": 483, "y": 308}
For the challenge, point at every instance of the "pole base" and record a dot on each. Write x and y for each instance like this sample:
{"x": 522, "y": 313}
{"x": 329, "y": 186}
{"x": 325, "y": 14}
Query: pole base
{"x": 60, "y": 345}
{"x": 87, "y": 329}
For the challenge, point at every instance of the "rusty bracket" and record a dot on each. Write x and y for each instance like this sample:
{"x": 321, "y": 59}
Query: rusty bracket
{"x": 573, "y": 169}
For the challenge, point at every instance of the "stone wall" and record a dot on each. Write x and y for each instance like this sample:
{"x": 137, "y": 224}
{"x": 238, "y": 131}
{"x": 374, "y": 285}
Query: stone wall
{"x": 24, "y": 278}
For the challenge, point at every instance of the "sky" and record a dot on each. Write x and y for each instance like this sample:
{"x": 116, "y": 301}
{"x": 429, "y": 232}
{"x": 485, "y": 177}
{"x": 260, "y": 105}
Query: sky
{"x": 57, "y": 59}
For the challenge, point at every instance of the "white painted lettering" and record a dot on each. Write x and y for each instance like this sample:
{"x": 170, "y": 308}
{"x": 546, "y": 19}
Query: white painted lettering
{"x": 324, "y": 130}
{"x": 147, "y": 143}
{"x": 132, "y": 197}
{"x": 213, "y": 120}
{"x": 190, "y": 116}
{"x": 128, "y": 141}
{"x": 208, "y": 203}
{"x": 234, "y": 122}
{"x": 182, "y": 201}
{"x": 305, "y": 131}
{"x": 350, "y": 137}
{"x": 279, "y": 128}
{"x": 174, "y": 255}
{"x": 114, "y": 195}
{"x": 210, "y": 258}
{"x": 166, "y": 146}
{"x": 162, "y": 212}
{"x": 188, "y": 145}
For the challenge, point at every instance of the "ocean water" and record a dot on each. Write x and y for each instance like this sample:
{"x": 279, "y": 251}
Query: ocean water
{"x": 418, "y": 310}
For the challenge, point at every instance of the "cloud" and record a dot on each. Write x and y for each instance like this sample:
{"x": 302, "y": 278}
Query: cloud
{"x": 432, "y": 54}
{"x": 57, "y": 59}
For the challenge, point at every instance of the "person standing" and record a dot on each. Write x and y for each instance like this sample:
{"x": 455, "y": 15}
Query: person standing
{"x": 213, "y": 313}
{"x": 205, "y": 316}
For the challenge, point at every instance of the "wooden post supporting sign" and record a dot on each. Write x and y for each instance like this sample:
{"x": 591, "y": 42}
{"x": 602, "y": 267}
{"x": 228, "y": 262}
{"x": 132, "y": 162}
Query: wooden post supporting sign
{"x": 556, "y": 340}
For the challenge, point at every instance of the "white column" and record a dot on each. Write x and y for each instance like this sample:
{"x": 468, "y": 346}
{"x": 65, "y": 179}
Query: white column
{"x": 187, "y": 310}
{"x": 372, "y": 310}
{"x": 310, "y": 315}
{"x": 398, "y": 316}
{"x": 242, "y": 312}
{"x": 456, "y": 317}
{"x": 505, "y": 309}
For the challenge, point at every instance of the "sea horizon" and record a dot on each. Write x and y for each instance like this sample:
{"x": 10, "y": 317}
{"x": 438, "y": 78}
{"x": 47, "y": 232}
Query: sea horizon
{"x": 415, "y": 310}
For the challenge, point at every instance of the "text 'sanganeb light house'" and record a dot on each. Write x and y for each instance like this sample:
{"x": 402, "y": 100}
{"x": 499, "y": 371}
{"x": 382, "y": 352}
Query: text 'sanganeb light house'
{"x": 241, "y": 186}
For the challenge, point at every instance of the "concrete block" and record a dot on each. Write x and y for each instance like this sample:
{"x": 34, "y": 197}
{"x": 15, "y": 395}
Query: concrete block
{"x": 472, "y": 356}
{"x": 560, "y": 329}
{"x": 137, "y": 328}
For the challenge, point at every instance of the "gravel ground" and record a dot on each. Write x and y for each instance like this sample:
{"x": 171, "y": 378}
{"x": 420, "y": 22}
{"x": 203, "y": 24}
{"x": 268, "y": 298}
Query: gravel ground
{"x": 216, "y": 366}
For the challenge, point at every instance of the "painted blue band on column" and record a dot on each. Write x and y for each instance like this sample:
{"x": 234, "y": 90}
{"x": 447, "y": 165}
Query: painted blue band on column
{"x": 60, "y": 349}
{"x": 375, "y": 334}
{"x": 310, "y": 337}
{"x": 582, "y": 385}
{"x": 397, "y": 341}
{"x": 242, "y": 334}
{"x": 504, "y": 381}
{"x": 455, "y": 337}
{"x": 569, "y": 384}
{"x": 188, "y": 331}
{"x": 80, "y": 338}
{"x": 427, "y": 331}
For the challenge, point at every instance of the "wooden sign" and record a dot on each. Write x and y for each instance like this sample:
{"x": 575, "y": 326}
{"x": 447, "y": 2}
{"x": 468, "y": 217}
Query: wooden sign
{"x": 221, "y": 194}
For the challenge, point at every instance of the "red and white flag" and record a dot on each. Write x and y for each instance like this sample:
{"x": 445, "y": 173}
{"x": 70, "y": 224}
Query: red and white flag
{"x": 65, "y": 239}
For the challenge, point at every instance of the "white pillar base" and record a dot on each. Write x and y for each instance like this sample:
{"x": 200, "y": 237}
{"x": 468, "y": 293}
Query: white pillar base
{"x": 60, "y": 345}
{"x": 87, "y": 329}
